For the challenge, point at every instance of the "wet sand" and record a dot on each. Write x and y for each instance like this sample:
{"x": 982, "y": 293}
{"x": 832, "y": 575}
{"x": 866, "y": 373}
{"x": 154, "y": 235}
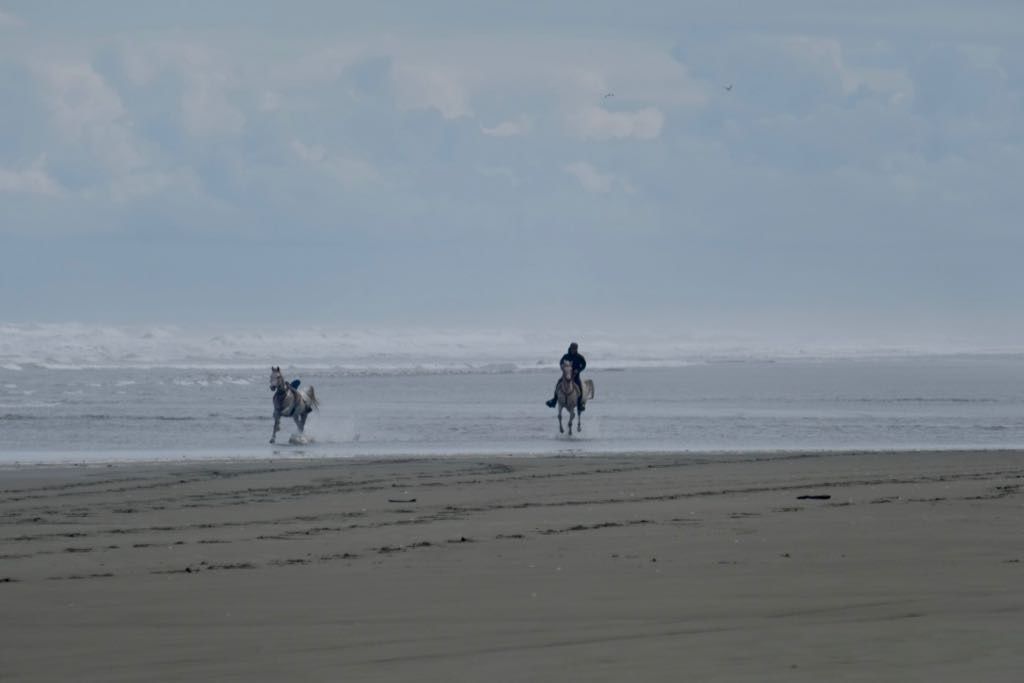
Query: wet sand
{"x": 900, "y": 567}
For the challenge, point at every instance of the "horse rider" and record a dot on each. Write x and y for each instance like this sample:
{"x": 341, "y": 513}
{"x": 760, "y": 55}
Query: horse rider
{"x": 579, "y": 364}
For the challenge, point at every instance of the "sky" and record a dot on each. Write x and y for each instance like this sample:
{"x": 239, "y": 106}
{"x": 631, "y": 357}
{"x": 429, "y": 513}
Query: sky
{"x": 533, "y": 164}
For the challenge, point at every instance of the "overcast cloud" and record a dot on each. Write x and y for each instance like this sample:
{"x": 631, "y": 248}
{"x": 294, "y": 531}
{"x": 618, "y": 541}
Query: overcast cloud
{"x": 326, "y": 163}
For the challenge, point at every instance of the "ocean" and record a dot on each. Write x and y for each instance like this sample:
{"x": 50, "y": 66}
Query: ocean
{"x": 92, "y": 394}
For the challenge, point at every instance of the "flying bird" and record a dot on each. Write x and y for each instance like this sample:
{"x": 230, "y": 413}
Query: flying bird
{"x": 728, "y": 88}
{"x": 608, "y": 94}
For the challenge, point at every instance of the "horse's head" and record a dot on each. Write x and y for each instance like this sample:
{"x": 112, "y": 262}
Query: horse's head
{"x": 277, "y": 382}
{"x": 566, "y": 370}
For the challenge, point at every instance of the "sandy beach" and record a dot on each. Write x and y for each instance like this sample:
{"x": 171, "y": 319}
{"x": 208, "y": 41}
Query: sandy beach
{"x": 773, "y": 567}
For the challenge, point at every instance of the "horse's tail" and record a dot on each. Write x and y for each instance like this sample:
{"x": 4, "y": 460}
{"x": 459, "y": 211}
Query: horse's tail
{"x": 311, "y": 398}
{"x": 588, "y": 386}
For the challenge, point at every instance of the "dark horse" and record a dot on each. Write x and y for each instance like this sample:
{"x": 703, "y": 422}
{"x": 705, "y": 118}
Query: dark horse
{"x": 290, "y": 402}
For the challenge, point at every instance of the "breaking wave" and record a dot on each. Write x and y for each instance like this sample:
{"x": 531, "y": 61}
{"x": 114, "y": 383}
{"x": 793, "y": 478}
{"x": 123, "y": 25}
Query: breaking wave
{"x": 74, "y": 346}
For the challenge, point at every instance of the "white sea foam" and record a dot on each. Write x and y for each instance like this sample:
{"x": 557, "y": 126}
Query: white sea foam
{"x": 74, "y": 346}
{"x": 28, "y": 405}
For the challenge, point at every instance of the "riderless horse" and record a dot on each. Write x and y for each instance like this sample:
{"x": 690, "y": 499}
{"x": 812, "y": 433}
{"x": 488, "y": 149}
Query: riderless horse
{"x": 568, "y": 395}
{"x": 290, "y": 402}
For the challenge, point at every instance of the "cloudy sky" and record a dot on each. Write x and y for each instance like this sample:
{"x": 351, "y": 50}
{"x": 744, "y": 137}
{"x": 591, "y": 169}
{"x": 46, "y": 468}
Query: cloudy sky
{"x": 461, "y": 162}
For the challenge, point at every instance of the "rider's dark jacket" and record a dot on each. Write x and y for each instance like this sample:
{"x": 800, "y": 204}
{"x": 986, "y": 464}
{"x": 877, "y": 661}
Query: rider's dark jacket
{"x": 579, "y": 363}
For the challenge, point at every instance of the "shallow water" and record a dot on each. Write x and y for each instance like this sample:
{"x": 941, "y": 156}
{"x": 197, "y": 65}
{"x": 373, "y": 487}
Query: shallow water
{"x": 103, "y": 414}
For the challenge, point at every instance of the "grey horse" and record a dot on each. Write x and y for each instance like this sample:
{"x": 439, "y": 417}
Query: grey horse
{"x": 290, "y": 402}
{"x": 567, "y": 394}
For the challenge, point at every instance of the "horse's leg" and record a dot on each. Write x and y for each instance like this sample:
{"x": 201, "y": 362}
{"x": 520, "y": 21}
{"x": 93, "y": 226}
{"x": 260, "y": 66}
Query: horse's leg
{"x": 571, "y": 415}
{"x": 579, "y": 418}
{"x": 560, "y": 429}
{"x": 277, "y": 427}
